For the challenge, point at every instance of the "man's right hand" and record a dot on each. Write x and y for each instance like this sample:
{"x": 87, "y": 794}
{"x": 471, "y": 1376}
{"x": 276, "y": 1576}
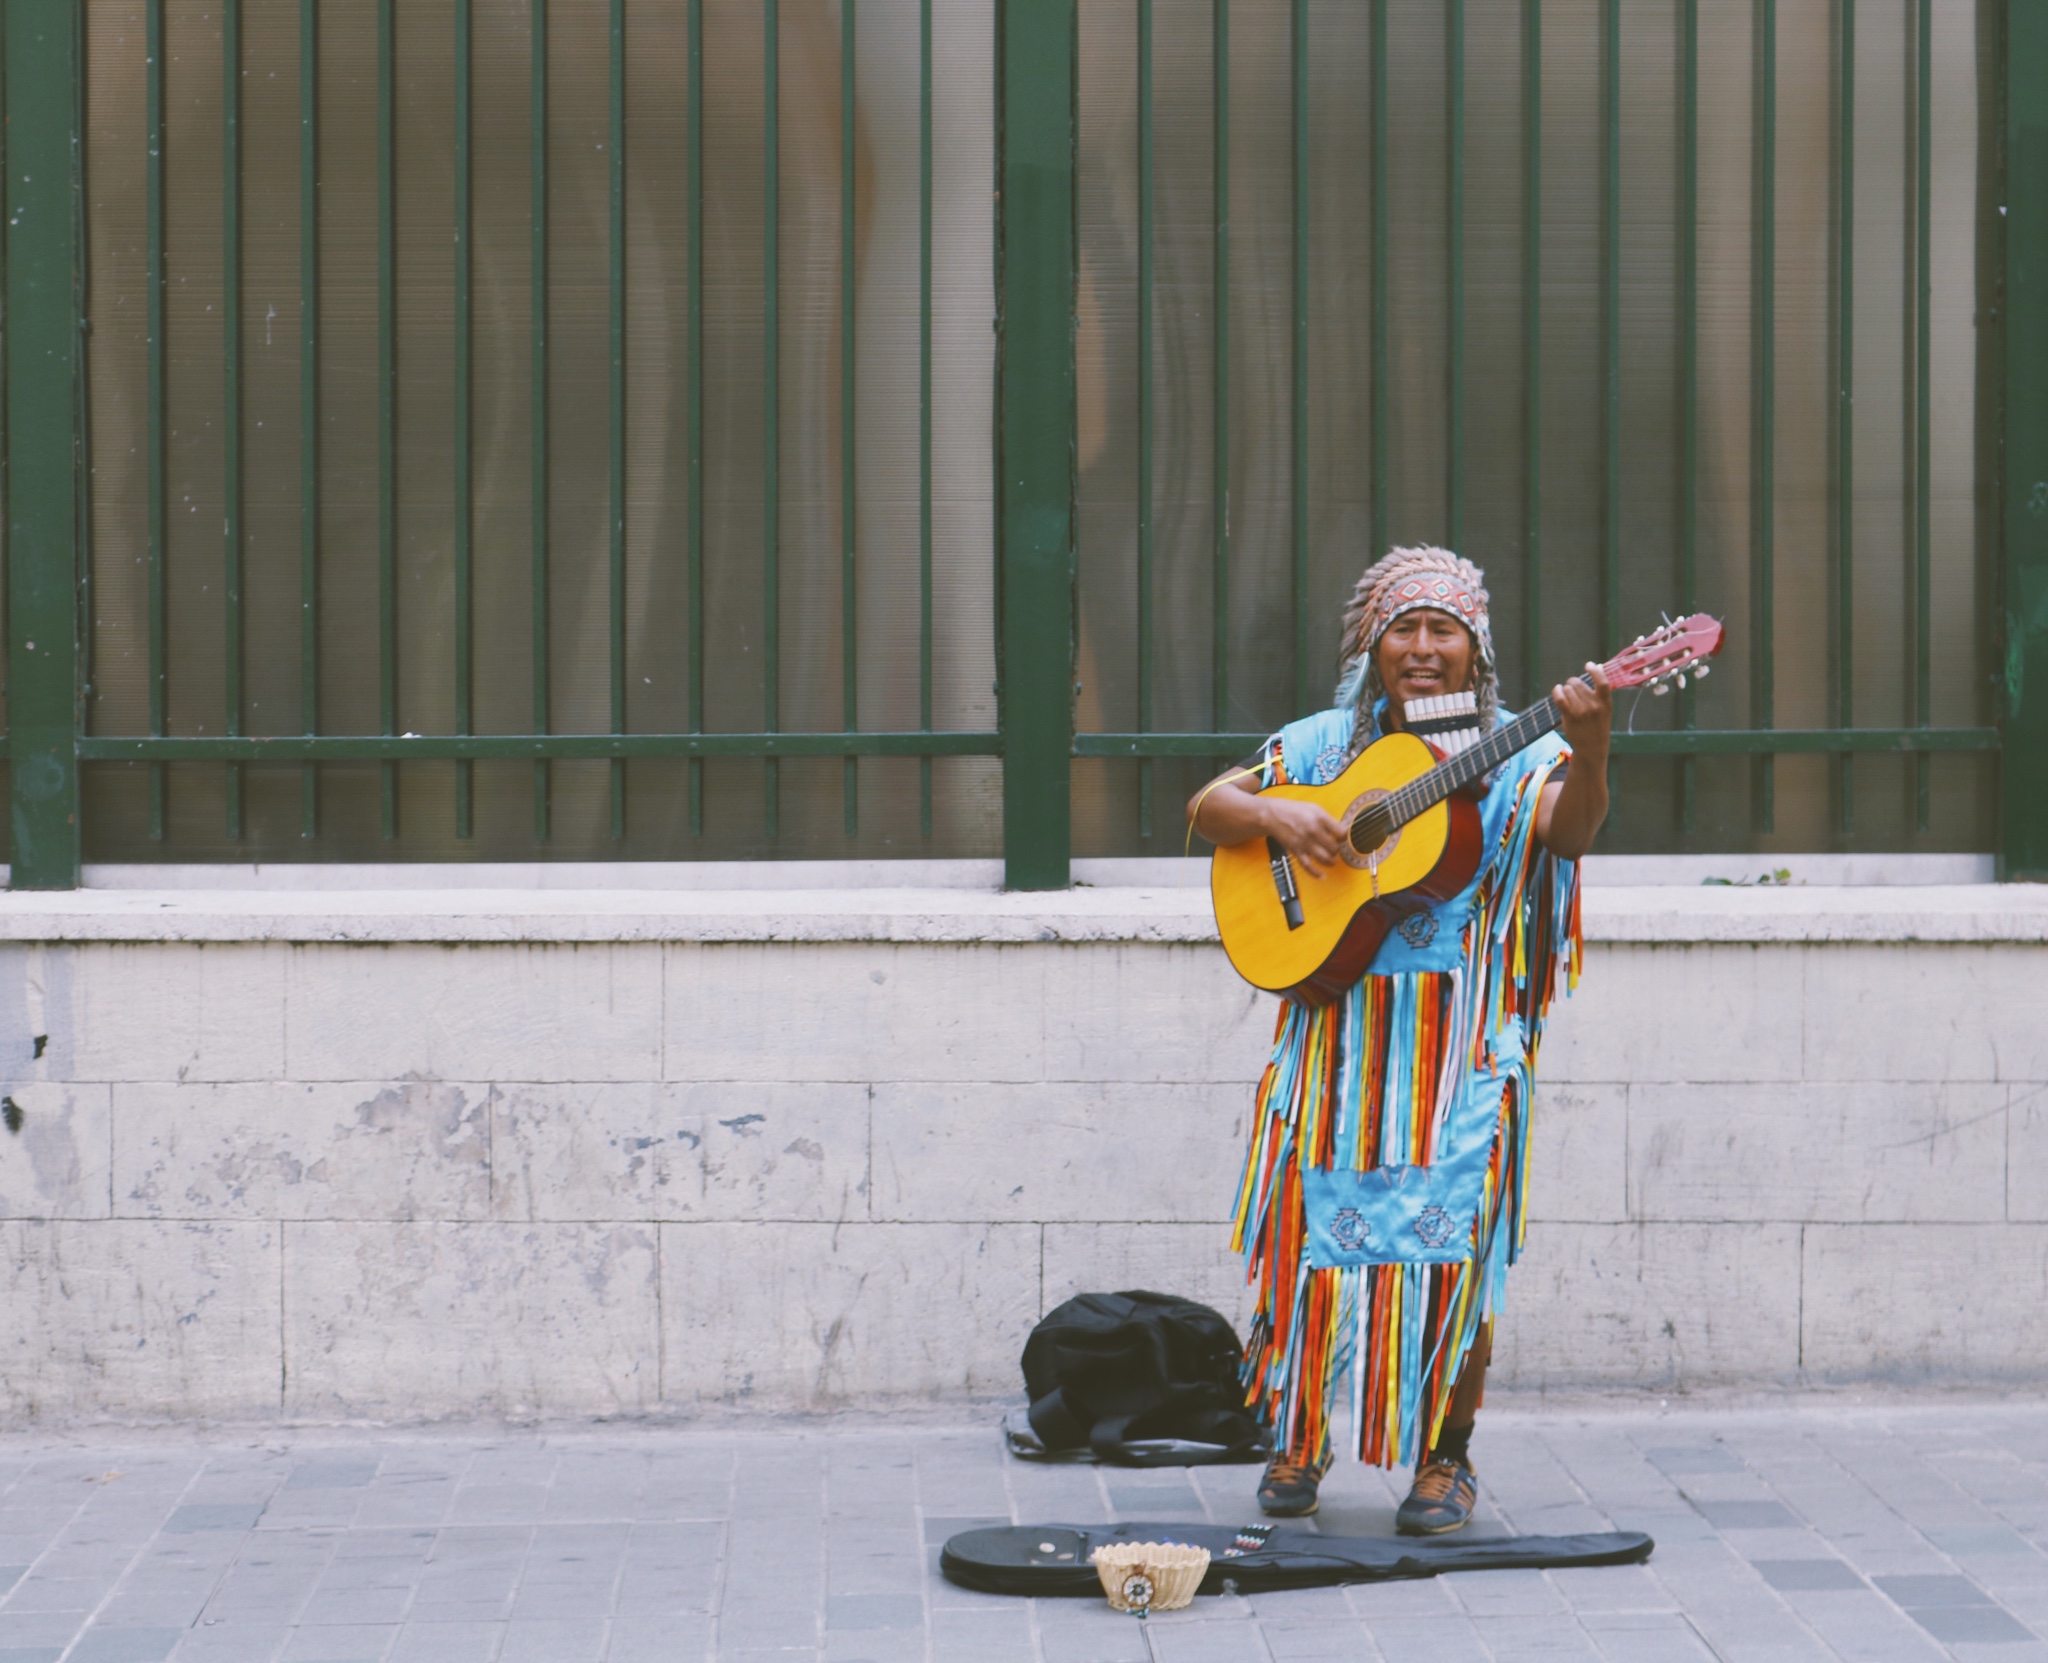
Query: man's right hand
{"x": 1231, "y": 809}
{"x": 1305, "y": 831}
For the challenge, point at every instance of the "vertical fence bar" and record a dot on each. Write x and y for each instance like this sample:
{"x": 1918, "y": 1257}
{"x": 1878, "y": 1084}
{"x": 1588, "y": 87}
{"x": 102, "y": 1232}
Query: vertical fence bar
{"x": 1220, "y": 302}
{"x": 159, "y": 485}
{"x": 1378, "y": 464}
{"x": 465, "y": 630}
{"x": 1923, "y": 396}
{"x": 84, "y": 405}
{"x": 43, "y": 402}
{"x": 1532, "y": 348}
{"x": 309, "y": 405}
{"x": 1845, "y": 412}
{"x": 1689, "y": 381}
{"x": 1146, "y": 160}
{"x": 1299, "y": 425}
{"x": 82, "y": 463}
{"x": 387, "y": 400}
{"x": 1764, "y": 490}
{"x": 5, "y": 508}
{"x": 695, "y": 399}
{"x": 771, "y": 401}
{"x": 231, "y": 392}
{"x": 1454, "y": 402}
{"x": 537, "y": 397}
{"x": 1610, "y": 329}
{"x": 1035, "y": 130}
{"x": 616, "y": 518}
{"x": 849, "y": 617}
{"x": 2023, "y": 764}
{"x": 924, "y": 405}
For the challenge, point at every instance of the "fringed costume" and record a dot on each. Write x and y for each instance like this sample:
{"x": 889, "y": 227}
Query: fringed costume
{"x": 1382, "y": 1196}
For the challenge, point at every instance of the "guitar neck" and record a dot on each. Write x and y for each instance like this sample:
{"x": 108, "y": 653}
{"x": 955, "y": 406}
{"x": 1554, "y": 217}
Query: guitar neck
{"x": 1470, "y": 764}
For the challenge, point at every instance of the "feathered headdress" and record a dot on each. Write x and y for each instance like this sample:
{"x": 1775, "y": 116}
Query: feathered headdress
{"x": 1408, "y": 580}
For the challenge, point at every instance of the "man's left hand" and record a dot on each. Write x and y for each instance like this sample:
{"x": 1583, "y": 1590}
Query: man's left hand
{"x": 1586, "y": 713}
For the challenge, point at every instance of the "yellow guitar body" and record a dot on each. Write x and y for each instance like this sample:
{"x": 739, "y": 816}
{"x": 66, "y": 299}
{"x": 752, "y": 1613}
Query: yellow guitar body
{"x": 1347, "y": 912}
{"x": 1309, "y": 939}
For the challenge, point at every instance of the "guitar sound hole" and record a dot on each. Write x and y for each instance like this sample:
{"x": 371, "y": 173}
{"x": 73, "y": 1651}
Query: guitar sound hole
{"x": 1367, "y": 831}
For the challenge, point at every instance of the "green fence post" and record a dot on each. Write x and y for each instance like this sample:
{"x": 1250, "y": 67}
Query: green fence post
{"x": 1035, "y": 435}
{"x": 42, "y": 434}
{"x": 2024, "y": 751}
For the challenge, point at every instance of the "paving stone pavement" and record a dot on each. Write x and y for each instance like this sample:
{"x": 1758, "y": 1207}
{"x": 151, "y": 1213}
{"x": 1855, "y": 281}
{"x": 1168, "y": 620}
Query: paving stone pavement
{"x": 1804, "y": 1528}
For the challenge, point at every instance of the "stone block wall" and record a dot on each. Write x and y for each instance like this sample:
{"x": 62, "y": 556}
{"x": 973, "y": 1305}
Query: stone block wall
{"x": 1771, "y": 1162}
{"x": 511, "y": 1158}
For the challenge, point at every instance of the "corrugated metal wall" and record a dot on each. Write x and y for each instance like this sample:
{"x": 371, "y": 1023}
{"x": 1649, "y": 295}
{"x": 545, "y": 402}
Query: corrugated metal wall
{"x": 390, "y": 594}
{"x": 1614, "y": 420}
{"x": 1645, "y": 305}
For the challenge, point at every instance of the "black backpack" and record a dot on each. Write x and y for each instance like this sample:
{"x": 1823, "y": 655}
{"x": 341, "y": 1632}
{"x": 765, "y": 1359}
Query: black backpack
{"x": 1142, "y": 1380}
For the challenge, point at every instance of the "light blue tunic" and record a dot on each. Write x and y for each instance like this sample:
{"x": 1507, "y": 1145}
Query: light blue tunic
{"x": 1400, "y": 1212}
{"x": 1424, "y": 1065}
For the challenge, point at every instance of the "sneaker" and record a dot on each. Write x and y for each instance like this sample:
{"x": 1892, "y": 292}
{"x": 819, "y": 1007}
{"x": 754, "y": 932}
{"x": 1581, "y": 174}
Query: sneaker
{"x": 1440, "y": 1500}
{"x": 1288, "y": 1491}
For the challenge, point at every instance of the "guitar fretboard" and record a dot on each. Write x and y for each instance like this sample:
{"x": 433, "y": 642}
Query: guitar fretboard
{"x": 1461, "y": 770}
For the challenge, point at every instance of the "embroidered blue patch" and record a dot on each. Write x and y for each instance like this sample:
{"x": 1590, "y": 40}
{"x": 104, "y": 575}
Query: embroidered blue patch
{"x": 1418, "y": 929}
{"x": 1349, "y": 1229}
{"x": 1434, "y": 1227}
{"x": 1329, "y": 765}
{"x": 1394, "y": 1214}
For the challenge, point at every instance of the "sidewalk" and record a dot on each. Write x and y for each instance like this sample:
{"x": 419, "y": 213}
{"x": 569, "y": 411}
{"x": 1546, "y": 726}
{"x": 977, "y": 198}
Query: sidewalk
{"x": 1787, "y": 1530}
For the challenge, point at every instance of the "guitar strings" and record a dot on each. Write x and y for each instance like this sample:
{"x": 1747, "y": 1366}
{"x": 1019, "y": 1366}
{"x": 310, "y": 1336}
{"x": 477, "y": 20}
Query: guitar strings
{"x": 1441, "y": 720}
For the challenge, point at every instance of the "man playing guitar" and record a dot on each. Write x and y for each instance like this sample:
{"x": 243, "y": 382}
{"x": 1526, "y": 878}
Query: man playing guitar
{"x": 1381, "y": 1201}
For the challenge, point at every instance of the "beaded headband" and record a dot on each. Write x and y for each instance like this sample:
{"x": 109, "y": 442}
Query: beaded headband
{"x": 1438, "y": 591}
{"x": 1408, "y": 580}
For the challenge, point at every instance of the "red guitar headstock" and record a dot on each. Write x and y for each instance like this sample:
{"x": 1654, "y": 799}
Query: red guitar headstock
{"x": 1665, "y": 655}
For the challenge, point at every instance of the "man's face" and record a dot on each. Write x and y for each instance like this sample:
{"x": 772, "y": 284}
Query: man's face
{"x": 1424, "y": 653}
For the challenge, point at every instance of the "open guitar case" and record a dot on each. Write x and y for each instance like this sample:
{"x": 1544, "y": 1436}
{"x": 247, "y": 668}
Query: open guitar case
{"x": 1052, "y": 1560}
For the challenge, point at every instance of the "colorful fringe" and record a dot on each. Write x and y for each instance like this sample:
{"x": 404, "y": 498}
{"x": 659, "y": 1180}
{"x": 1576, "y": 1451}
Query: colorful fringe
{"x": 1373, "y": 1080}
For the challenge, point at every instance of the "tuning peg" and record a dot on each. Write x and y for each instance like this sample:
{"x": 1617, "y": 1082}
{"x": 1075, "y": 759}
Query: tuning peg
{"x": 1660, "y": 689}
{"x": 1701, "y": 672}
{"x": 1681, "y": 678}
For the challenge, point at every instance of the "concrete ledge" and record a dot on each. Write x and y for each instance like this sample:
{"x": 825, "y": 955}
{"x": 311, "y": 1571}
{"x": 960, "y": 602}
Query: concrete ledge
{"x": 1650, "y": 914}
{"x": 405, "y": 1151}
{"x": 1962, "y": 913}
{"x": 618, "y": 915}
{"x": 1140, "y": 872}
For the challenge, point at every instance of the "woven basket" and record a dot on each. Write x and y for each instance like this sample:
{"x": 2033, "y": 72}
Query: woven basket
{"x": 1149, "y": 1576}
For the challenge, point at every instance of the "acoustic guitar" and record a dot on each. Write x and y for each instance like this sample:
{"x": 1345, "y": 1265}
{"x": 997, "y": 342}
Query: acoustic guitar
{"x": 1411, "y": 830}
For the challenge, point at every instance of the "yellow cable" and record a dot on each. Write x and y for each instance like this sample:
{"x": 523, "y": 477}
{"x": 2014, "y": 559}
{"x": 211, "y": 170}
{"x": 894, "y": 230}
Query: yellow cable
{"x": 1226, "y": 778}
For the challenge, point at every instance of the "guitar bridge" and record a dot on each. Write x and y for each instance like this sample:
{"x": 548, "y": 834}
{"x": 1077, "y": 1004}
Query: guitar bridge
{"x": 1283, "y": 881}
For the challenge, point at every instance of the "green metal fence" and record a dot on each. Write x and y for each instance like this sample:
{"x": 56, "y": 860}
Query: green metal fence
{"x": 403, "y": 664}
{"x": 2022, "y": 499}
{"x": 1563, "y": 445}
{"x": 1212, "y": 400}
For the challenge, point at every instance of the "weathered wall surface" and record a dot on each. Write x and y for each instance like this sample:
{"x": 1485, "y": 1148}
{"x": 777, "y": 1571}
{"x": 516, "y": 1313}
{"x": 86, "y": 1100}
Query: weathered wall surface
{"x": 611, "y": 1156}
